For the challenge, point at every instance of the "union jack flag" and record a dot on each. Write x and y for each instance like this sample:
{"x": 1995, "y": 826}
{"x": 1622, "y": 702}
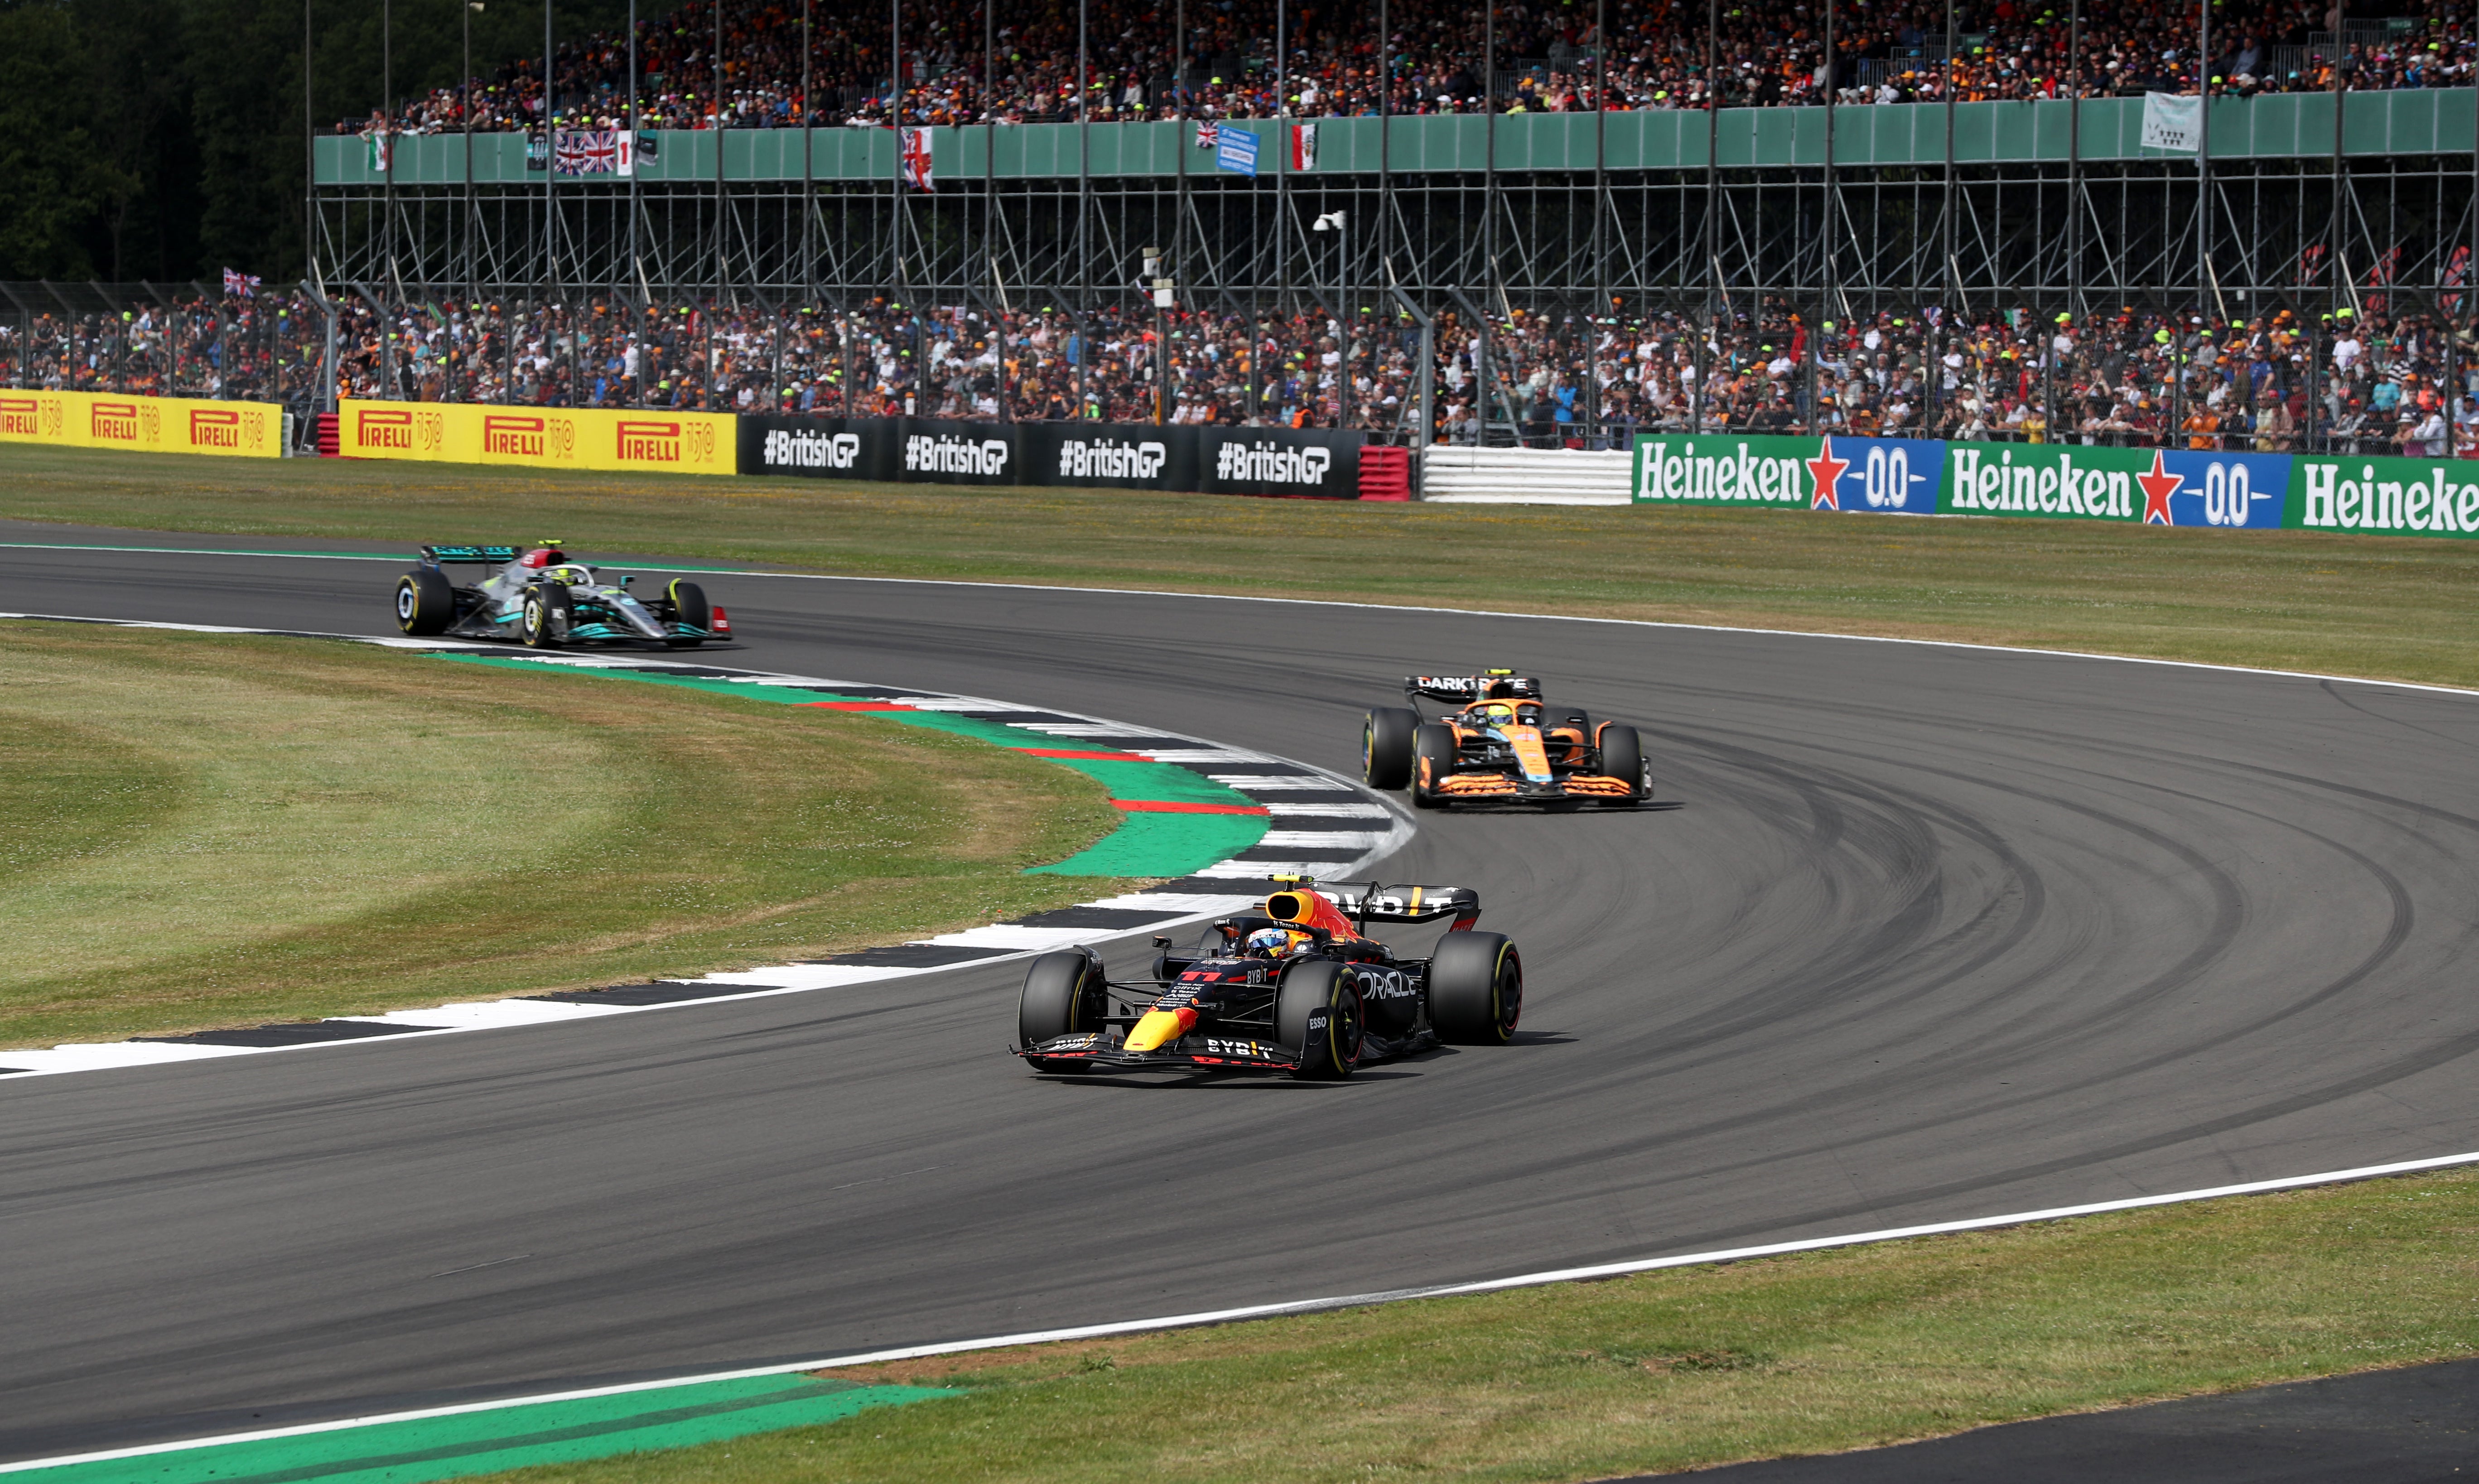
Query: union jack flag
{"x": 1209, "y": 134}
{"x": 239, "y": 284}
{"x": 586, "y": 152}
{"x": 914, "y": 146}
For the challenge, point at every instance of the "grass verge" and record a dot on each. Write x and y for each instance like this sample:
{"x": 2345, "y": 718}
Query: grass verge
{"x": 1686, "y": 1368}
{"x": 2398, "y": 608}
{"x": 205, "y": 830}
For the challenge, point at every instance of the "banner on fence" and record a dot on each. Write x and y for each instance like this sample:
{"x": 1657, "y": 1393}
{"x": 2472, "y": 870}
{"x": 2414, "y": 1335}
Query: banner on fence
{"x": 2230, "y": 489}
{"x": 1896, "y": 475}
{"x": 142, "y": 425}
{"x": 678, "y": 442}
{"x": 1089, "y": 455}
{"x": 2389, "y": 496}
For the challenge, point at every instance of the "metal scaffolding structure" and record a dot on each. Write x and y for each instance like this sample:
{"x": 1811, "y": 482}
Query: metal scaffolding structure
{"x": 1844, "y": 239}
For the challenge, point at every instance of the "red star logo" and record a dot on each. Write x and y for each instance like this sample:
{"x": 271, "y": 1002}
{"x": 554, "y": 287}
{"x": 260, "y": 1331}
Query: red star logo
{"x": 1826, "y": 471}
{"x": 2157, "y": 486}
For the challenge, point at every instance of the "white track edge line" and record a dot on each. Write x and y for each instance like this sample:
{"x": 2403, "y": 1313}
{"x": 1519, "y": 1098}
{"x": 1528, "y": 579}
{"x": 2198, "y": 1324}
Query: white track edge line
{"x": 1298, "y": 1306}
{"x": 1400, "y": 831}
{"x": 1336, "y": 603}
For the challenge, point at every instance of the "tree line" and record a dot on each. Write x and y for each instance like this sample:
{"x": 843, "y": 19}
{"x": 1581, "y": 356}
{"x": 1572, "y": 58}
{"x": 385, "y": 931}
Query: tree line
{"x": 162, "y": 140}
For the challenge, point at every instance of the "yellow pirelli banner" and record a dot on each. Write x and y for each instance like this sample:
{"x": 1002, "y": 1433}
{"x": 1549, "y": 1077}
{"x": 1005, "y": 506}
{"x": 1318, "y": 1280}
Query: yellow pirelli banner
{"x": 144, "y": 424}
{"x": 678, "y": 443}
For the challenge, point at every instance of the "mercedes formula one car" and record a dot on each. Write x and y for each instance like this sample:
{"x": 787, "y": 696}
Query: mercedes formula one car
{"x": 1502, "y": 744}
{"x": 544, "y": 599}
{"x": 1298, "y": 987}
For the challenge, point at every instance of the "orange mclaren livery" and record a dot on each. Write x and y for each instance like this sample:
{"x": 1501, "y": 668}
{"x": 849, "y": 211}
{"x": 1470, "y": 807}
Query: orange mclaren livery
{"x": 1503, "y": 744}
{"x": 1298, "y": 988}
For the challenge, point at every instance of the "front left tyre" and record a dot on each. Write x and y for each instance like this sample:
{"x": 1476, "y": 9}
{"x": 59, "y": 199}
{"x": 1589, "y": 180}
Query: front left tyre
{"x": 1623, "y": 758}
{"x": 425, "y": 602}
{"x": 689, "y": 606}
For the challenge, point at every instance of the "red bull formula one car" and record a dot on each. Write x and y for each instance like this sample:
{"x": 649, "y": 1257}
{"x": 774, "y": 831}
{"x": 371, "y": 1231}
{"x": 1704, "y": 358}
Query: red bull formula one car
{"x": 1505, "y": 743}
{"x": 544, "y": 599}
{"x": 1298, "y": 987}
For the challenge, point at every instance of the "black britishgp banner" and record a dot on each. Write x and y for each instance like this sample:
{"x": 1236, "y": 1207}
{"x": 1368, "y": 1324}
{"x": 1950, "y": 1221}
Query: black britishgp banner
{"x": 1311, "y": 462}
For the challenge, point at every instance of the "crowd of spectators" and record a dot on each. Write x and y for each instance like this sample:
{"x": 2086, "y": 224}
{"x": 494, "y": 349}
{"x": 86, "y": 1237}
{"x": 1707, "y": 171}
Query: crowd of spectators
{"x": 1019, "y": 63}
{"x": 2387, "y": 376}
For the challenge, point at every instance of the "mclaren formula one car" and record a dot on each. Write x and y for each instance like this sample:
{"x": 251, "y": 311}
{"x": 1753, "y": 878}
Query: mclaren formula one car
{"x": 1503, "y": 743}
{"x": 1298, "y": 989}
{"x": 544, "y": 599}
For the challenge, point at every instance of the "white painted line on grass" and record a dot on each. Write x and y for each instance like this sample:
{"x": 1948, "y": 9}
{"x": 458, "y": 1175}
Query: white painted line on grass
{"x": 1211, "y": 1317}
{"x": 1313, "y": 602}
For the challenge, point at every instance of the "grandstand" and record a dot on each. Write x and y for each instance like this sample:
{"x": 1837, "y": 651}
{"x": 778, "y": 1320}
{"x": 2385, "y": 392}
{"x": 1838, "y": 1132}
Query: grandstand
{"x": 1955, "y": 228}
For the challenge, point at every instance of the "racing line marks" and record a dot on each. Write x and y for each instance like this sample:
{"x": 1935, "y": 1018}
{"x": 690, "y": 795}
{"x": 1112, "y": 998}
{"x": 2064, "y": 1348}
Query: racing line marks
{"x": 1203, "y": 810}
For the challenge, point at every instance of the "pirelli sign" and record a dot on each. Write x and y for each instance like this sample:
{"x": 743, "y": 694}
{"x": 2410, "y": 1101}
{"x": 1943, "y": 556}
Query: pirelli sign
{"x": 686, "y": 443}
{"x": 142, "y": 425}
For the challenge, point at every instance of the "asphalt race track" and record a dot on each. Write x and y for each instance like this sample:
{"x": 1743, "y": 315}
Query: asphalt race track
{"x": 1933, "y": 932}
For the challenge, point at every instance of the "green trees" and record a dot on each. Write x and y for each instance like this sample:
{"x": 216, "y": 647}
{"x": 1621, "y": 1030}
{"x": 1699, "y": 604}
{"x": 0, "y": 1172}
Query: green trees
{"x": 161, "y": 139}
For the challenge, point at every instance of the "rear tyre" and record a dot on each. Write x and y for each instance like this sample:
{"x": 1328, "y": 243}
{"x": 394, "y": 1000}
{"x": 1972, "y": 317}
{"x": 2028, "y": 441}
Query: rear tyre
{"x": 1063, "y": 996}
{"x": 1476, "y": 989}
{"x": 1433, "y": 760}
{"x": 546, "y": 619}
{"x": 425, "y": 602}
{"x": 1386, "y": 746}
{"x": 1623, "y": 757}
{"x": 1316, "y": 1009}
{"x": 690, "y": 607}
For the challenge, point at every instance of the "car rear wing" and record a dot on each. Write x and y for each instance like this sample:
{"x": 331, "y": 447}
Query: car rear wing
{"x": 1367, "y": 902}
{"x": 1497, "y": 685}
{"x": 438, "y": 554}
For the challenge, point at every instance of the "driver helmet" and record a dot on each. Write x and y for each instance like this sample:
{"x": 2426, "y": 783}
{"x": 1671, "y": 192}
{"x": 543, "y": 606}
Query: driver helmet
{"x": 1273, "y": 943}
{"x": 1496, "y": 713}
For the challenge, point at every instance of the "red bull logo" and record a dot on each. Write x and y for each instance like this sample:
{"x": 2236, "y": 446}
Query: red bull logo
{"x": 215, "y": 427}
{"x": 650, "y": 442}
{"x": 388, "y": 429}
{"x": 513, "y": 436}
{"x": 113, "y": 421}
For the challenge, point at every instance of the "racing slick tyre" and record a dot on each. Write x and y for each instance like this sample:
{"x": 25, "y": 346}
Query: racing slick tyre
{"x": 1386, "y": 746}
{"x": 1476, "y": 989}
{"x": 1063, "y": 995}
{"x": 425, "y": 602}
{"x": 1433, "y": 758}
{"x": 690, "y": 607}
{"x": 1623, "y": 757}
{"x": 1316, "y": 1009}
{"x": 546, "y": 618}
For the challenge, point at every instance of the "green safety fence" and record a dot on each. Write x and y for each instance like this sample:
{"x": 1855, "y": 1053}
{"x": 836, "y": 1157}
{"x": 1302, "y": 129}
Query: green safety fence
{"x": 2293, "y": 125}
